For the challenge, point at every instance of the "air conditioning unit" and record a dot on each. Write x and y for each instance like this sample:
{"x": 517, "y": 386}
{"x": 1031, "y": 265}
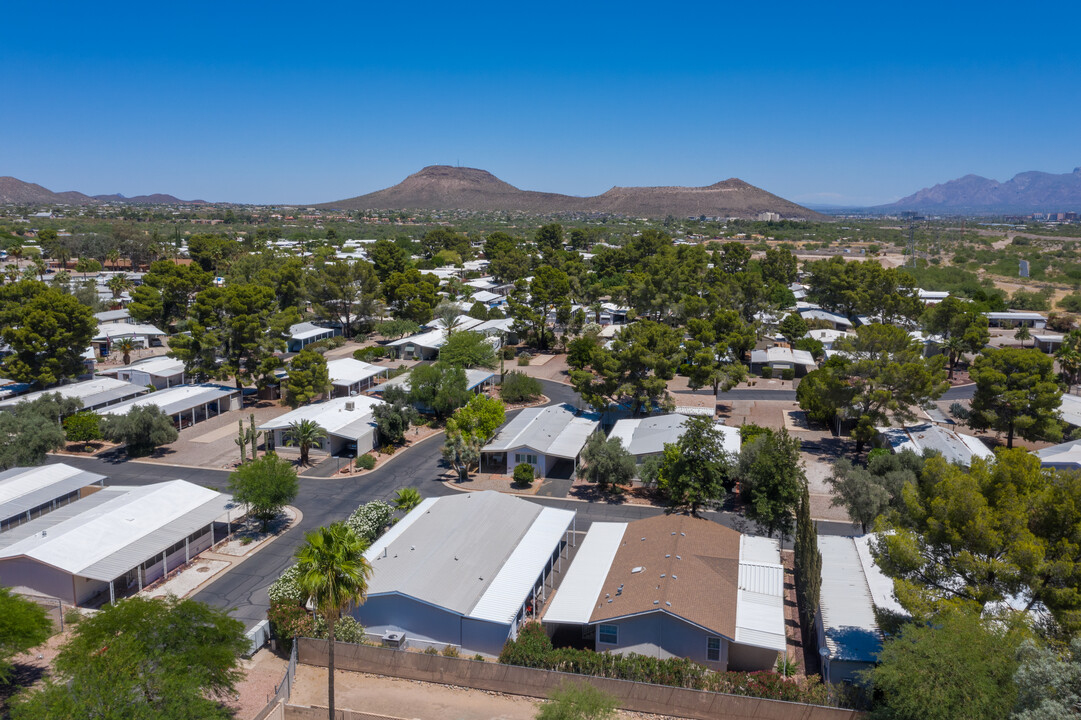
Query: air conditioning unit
{"x": 350, "y": 406}
{"x": 394, "y": 640}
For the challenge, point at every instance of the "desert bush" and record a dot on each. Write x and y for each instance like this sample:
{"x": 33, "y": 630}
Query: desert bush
{"x": 365, "y": 462}
{"x": 524, "y": 474}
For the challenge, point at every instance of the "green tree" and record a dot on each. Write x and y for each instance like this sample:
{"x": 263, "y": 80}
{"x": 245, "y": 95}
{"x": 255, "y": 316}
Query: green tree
{"x": 606, "y": 463}
{"x": 974, "y": 536}
{"x": 438, "y": 389}
{"x": 144, "y": 659}
{"x": 308, "y": 378}
{"x": 143, "y": 429}
{"x": 696, "y": 471}
{"x": 636, "y": 370}
{"x": 868, "y": 492}
{"x": 31, "y": 430}
{"x": 407, "y": 499}
{"x": 23, "y": 625}
{"x": 388, "y": 258}
{"x": 461, "y": 452}
{"x": 479, "y": 418}
{"x": 334, "y": 573}
{"x": 578, "y": 701}
{"x": 1048, "y": 683}
{"x": 411, "y": 295}
{"x": 125, "y": 346}
{"x": 531, "y": 302}
{"x": 394, "y": 416}
{"x": 772, "y": 479}
{"x": 47, "y": 331}
{"x": 961, "y": 325}
{"x": 779, "y": 266}
{"x": 519, "y": 387}
{"x": 344, "y": 292}
{"x": 394, "y": 329}
{"x": 808, "y": 564}
{"x": 793, "y": 327}
{"x": 549, "y": 239}
{"x": 82, "y": 427}
{"x": 466, "y": 349}
{"x": 1016, "y": 393}
{"x": 959, "y": 668}
{"x": 1069, "y": 356}
{"x": 304, "y": 434}
{"x": 166, "y": 292}
{"x": 266, "y": 485}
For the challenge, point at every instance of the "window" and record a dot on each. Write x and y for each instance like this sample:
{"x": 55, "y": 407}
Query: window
{"x": 609, "y": 634}
{"x": 713, "y": 649}
{"x": 525, "y": 458}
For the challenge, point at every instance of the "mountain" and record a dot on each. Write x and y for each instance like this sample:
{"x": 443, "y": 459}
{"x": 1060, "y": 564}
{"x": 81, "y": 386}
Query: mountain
{"x": 441, "y": 187}
{"x": 17, "y": 192}
{"x": 1025, "y": 192}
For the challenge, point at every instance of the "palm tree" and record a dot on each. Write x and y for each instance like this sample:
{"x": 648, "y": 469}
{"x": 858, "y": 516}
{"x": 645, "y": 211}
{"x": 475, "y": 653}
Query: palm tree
{"x": 304, "y": 434}
{"x": 117, "y": 284}
{"x": 1069, "y": 355}
{"x": 1022, "y": 334}
{"x": 333, "y": 573}
{"x": 125, "y": 346}
{"x": 407, "y": 499}
{"x": 953, "y": 346}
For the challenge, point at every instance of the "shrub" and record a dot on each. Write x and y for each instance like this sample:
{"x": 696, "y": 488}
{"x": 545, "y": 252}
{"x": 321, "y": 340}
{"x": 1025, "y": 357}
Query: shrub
{"x": 450, "y": 651}
{"x": 82, "y": 427}
{"x": 286, "y": 589}
{"x": 142, "y": 429}
{"x": 370, "y": 520}
{"x": 365, "y": 462}
{"x": 749, "y": 431}
{"x": 877, "y": 452}
{"x": 959, "y": 411}
{"x": 788, "y": 374}
{"x": 518, "y": 387}
{"x": 369, "y": 353}
{"x": 524, "y": 359}
{"x": 508, "y": 352}
{"x": 767, "y": 372}
{"x": 347, "y": 630}
{"x": 478, "y": 658}
{"x": 289, "y": 620}
{"x": 430, "y": 651}
{"x": 524, "y": 474}
{"x": 71, "y": 617}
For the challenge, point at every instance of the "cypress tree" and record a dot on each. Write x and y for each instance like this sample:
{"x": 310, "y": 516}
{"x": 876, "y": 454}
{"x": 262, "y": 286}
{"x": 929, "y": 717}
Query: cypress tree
{"x": 808, "y": 563}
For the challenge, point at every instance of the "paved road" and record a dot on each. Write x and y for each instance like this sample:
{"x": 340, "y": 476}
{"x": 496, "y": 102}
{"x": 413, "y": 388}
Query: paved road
{"x": 325, "y": 500}
{"x": 960, "y": 392}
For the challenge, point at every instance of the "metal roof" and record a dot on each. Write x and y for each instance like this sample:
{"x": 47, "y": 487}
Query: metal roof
{"x": 848, "y": 617}
{"x": 954, "y": 446}
{"x": 117, "y": 330}
{"x": 784, "y": 355}
{"x": 473, "y": 378}
{"x": 1064, "y": 456}
{"x": 453, "y": 552}
{"x": 331, "y": 415}
{"x": 818, "y": 314}
{"x": 23, "y": 489}
{"x": 112, "y": 315}
{"x": 649, "y": 435}
{"x": 1070, "y": 409}
{"x": 94, "y": 393}
{"x": 349, "y": 371}
{"x": 305, "y": 330}
{"x": 107, "y": 539}
{"x": 432, "y": 339}
{"x": 1015, "y": 316}
{"x": 177, "y": 399}
{"x": 553, "y": 430}
{"x": 162, "y": 366}
{"x": 582, "y": 583}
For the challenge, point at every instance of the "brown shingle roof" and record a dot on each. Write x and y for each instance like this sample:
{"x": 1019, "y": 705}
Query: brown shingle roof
{"x": 690, "y": 568}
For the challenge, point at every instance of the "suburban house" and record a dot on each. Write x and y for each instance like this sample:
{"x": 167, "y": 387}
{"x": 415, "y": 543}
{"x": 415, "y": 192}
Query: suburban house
{"x": 115, "y": 541}
{"x": 1012, "y": 319}
{"x": 852, "y": 588}
{"x": 162, "y": 372}
{"x": 674, "y": 586}
{"x": 839, "y": 322}
{"x": 347, "y": 421}
{"x": 463, "y": 570}
{"x": 144, "y": 336}
{"x": 1064, "y": 456}
{"x": 548, "y": 438}
{"x": 95, "y": 394}
{"x": 645, "y": 437}
{"x": 352, "y": 377}
{"x": 956, "y": 447}
{"x": 1069, "y": 411}
{"x": 932, "y": 297}
{"x": 186, "y": 404}
{"x": 778, "y": 358}
{"x": 426, "y": 345}
{"x": 28, "y": 493}
{"x": 113, "y": 317}
{"x": 828, "y": 336}
{"x": 304, "y": 334}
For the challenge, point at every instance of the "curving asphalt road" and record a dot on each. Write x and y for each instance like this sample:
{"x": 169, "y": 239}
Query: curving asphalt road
{"x": 325, "y": 500}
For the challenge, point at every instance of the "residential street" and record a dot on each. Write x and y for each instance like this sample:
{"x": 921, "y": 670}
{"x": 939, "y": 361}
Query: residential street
{"x": 326, "y": 500}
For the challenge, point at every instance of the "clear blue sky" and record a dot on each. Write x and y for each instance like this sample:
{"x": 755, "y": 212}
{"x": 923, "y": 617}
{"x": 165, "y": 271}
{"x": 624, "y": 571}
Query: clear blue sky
{"x": 308, "y": 102}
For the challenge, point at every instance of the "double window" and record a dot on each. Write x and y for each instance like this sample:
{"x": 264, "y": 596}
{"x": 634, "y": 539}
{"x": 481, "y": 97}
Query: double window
{"x": 608, "y": 634}
{"x": 525, "y": 458}
{"x": 713, "y": 649}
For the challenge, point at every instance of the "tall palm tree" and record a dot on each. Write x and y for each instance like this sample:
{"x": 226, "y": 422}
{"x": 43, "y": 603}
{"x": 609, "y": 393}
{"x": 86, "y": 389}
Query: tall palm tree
{"x": 117, "y": 284}
{"x": 334, "y": 573}
{"x": 953, "y": 346}
{"x": 304, "y": 434}
{"x": 1069, "y": 355}
{"x": 125, "y": 346}
{"x": 407, "y": 499}
{"x": 1023, "y": 334}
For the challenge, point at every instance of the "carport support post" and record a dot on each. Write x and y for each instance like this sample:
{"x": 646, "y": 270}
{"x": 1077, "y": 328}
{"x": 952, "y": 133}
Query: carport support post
{"x": 187, "y": 554}
{"x": 112, "y": 594}
{"x": 139, "y": 575}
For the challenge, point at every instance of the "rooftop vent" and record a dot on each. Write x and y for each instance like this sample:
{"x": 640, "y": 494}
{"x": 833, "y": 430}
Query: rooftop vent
{"x": 350, "y": 405}
{"x": 656, "y": 602}
{"x": 668, "y": 603}
{"x": 662, "y": 574}
{"x": 637, "y": 569}
{"x": 668, "y": 556}
{"x": 643, "y": 538}
{"x": 683, "y": 534}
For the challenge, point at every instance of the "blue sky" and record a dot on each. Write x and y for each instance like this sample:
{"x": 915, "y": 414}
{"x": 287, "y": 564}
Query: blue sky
{"x": 272, "y": 102}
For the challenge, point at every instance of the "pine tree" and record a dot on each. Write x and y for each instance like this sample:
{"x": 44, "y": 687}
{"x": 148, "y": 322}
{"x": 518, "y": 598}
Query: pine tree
{"x": 808, "y": 563}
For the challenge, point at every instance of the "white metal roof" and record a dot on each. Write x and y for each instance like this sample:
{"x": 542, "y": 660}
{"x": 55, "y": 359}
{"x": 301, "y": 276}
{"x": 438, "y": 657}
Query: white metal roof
{"x": 348, "y": 371}
{"x": 519, "y": 574}
{"x": 881, "y": 587}
{"x": 484, "y": 296}
{"x": 92, "y": 392}
{"x": 553, "y": 430}
{"x": 818, "y": 314}
{"x": 132, "y": 525}
{"x": 760, "y": 595}
{"x": 23, "y": 489}
{"x": 175, "y": 400}
{"x": 161, "y": 366}
{"x": 432, "y": 339}
{"x": 118, "y": 330}
{"x": 473, "y": 378}
{"x": 649, "y": 435}
{"x": 1064, "y": 456}
{"x": 848, "y": 616}
{"x": 1012, "y": 315}
{"x": 954, "y": 446}
{"x": 782, "y": 355}
{"x": 331, "y": 415}
{"x": 582, "y": 583}
{"x": 112, "y": 315}
{"x": 306, "y": 330}
{"x": 1070, "y": 409}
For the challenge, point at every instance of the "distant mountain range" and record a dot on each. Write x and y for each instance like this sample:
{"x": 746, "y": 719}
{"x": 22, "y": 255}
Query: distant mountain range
{"x": 17, "y": 192}
{"x": 1025, "y": 193}
{"x": 442, "y": 187}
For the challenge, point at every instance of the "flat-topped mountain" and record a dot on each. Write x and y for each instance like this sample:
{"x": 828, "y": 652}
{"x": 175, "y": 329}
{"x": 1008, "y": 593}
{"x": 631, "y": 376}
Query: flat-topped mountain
{"x": 442, "y": 187}
{"x": 18, "y": 192}
{"x": 1025, "y": 192}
